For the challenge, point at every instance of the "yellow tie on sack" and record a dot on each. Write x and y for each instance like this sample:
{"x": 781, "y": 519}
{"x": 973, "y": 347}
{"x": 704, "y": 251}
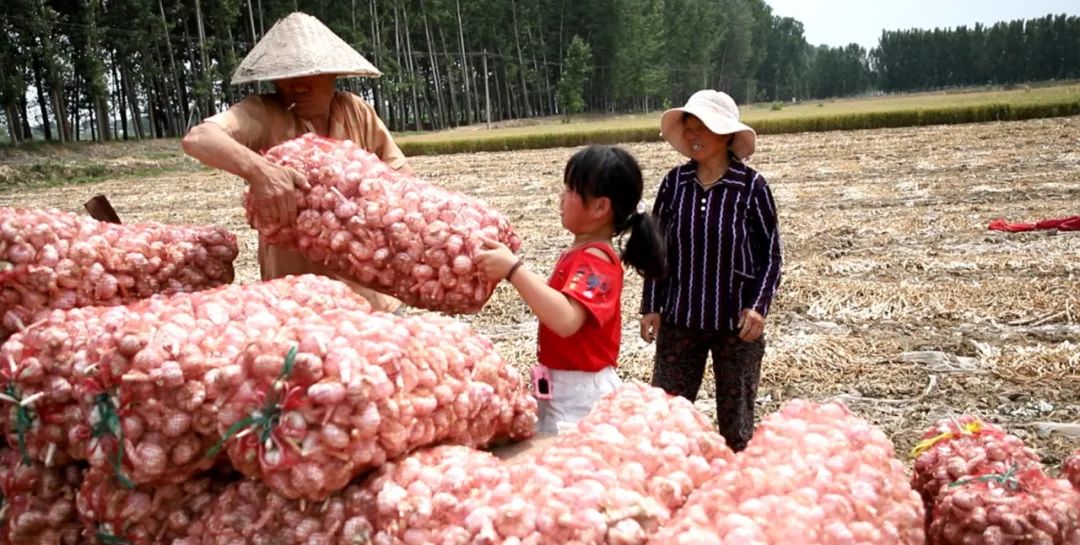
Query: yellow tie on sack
{"x": 970, "y": 428}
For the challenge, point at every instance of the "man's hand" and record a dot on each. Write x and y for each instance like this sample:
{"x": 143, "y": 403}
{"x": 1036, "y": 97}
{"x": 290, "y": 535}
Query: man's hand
{"x": 495, "y": 261}
{"x": 751, "y": 325}
{"x": 272, "y": 189}
{"x": 650, "y": 327}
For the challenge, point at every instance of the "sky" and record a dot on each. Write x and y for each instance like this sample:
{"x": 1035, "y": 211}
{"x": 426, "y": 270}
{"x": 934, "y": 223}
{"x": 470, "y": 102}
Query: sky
{"x": 841, "y": 22}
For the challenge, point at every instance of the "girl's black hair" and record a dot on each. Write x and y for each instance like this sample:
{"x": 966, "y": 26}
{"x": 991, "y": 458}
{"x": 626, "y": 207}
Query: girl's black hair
{"x": 609, "y": 171}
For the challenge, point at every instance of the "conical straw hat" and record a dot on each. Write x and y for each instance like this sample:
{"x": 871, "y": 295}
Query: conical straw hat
{"x": 300, "y": 45}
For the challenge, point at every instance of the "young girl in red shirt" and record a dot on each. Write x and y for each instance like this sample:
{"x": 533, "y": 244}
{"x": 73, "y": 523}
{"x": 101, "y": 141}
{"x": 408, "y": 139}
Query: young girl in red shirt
{"x": 579, "y": 306}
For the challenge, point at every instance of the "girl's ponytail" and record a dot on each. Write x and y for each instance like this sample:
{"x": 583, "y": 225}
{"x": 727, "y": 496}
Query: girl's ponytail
{"x": 644, "y": 249}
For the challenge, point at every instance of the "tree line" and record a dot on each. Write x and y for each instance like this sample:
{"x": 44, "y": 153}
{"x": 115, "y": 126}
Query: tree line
{"x": 105, "y": 69}
{"x": 1045, "y": 48}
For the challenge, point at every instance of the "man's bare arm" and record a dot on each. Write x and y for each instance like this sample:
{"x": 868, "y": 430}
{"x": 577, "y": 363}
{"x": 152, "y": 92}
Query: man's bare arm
{"x": 271, "y": 184}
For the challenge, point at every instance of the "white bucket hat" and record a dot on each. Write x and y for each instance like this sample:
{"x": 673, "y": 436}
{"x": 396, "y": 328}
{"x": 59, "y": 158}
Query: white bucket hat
{"x": 300, "y": 45}
{"x": 718, "y": 112}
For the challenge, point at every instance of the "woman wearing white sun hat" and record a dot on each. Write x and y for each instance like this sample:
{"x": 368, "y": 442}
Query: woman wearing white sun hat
{"x": 303, "y": 58}
{"x": 724, "y": 255}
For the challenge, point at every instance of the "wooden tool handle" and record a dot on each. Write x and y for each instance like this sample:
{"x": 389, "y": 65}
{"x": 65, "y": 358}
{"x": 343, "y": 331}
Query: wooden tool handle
{"x": 100, "y": 209}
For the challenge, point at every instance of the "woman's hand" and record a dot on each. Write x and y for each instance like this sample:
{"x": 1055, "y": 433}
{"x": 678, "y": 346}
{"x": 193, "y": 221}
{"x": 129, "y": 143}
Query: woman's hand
{"x": 751, "y": 325}
{"x": 495, "y": 261}
{"x": 650, "y": 327}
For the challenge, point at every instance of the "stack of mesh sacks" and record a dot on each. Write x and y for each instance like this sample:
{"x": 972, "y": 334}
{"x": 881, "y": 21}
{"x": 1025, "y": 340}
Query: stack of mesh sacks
{"x": 54, "y": 259}
{"x": 616, "y": 478}
{"x": 812, "y": 474}
{"x": 293, "y": 382}
{"x": 389, "y": 231}
{"x": 984, "y": 486}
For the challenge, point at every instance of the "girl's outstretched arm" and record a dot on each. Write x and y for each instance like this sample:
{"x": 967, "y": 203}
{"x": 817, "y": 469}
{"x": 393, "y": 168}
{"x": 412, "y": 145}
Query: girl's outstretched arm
{"x": 555, "y": 310}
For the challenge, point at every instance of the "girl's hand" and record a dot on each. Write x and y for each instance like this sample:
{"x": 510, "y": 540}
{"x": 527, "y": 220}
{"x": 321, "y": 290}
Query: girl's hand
{"x": 751, "y": 325}
{"x": 650, "y": 326}
{"x": 495, "y": 261}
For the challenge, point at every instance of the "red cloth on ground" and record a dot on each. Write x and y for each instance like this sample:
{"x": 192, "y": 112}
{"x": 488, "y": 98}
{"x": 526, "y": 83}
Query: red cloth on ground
{"x": 1071, "y": 223}
{"x": 1063, "y": 224}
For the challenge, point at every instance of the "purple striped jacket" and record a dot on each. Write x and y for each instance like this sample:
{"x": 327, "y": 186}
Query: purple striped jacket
{"x": 723, "y": 248}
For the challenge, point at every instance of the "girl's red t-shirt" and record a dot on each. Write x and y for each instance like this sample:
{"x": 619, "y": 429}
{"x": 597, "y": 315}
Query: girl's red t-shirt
{"x": 595, "y": 283}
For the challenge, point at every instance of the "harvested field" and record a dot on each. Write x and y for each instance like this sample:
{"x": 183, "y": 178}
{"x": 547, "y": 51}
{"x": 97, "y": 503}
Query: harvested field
{"x": 895, "y": 297}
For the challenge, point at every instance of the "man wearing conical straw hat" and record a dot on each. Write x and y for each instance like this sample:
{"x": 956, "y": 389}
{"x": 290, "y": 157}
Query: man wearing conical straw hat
{"x": 303, "y": 58}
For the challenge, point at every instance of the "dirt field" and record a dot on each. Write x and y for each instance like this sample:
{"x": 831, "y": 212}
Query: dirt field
{"x": 895, "y": 297}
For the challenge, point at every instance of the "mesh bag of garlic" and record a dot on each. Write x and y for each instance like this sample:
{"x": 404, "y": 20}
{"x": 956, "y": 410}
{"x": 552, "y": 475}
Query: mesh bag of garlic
{"x": 814, "y": 474}
{"x": 55, "y": 259}
{"x": 954, "y": 448}
{"x": 135, "y": 386}
{"x": 389, "y": 231}
{"x": 1016, "y": 506}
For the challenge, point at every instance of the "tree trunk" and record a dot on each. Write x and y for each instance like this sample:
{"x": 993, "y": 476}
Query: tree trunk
{"x": 153, "y": 112}
{"x": 120, "y": 98}
{"x": 91, "y": 112}
{"x": 465, "y": 68}
{"x": 562, "y": 38}
{"x": 409, "y": 70}
{"x": 455, "y": 118}
{"x": 101, "y": 114}
{"x": 479, "y": 109}
{"x": 398, "y": 102}
{"x": 40, "y": 88}
{"x": 76, "y": 111}
{"x": 442, "y": 117}
{"x": 97, "y": 97}
{"x": 204, "y": 68}
{"x": 419, "y": 81}
{"x": 550, "y": 99}
{"x": 487, "y": 91}
{"x": 508, "y": 112}
{"x": 521, "y": 61}
{"x": 163, "y": 104}
{"x": 228, "y": 89}
{"x": 251, "y": 22}
{"x": 157, "y": 101}
{"x": 192, "y": 83}
{"x": 133, "y": 100}
{"x": 14, "y": 124}
{"x": 56, "y": 92}
{"x": 24, "y": 114}
{"x": 497, "y": 107}
{"x": 376, "y": 39}
{"x": 540, "y": 109}
{"x": 173, "y": 74}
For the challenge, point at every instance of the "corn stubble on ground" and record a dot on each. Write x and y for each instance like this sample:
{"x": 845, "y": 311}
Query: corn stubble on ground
{"x": 895, "y": 298}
